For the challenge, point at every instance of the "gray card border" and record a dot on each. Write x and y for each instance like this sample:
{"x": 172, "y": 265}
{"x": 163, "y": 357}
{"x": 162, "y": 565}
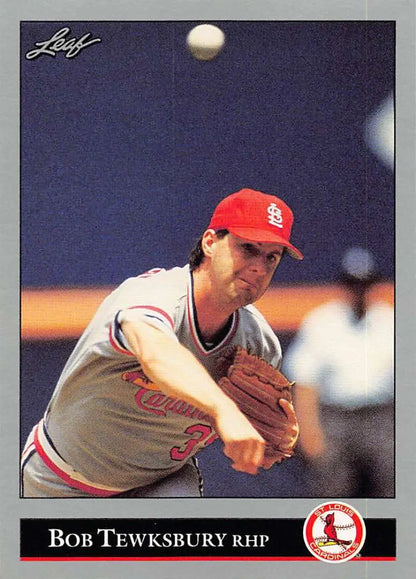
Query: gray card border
{"x": 13, "y": 508}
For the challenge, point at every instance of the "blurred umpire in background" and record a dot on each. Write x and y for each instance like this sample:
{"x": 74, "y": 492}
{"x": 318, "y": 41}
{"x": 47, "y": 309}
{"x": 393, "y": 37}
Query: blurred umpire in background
{"x": 342, "y": 360}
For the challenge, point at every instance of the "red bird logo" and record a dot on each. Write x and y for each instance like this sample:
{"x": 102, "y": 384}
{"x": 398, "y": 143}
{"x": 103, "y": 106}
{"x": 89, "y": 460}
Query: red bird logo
{"x": 331, "y": 532}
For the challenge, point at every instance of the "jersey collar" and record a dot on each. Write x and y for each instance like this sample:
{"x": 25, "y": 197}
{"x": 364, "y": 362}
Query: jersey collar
{"x": 202, "y": 347}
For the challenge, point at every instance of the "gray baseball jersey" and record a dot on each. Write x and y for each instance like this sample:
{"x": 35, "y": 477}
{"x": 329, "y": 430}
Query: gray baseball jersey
{"x": 107, "y": 428}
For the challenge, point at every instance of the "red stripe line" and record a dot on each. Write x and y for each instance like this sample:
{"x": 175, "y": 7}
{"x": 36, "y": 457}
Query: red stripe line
{"x": 122, "y": 350}
{"x": 168, "y": 559}
{"x": 28, "y": 450}
{"x": 157, "y": 310}
{"x": 194, "y": 559}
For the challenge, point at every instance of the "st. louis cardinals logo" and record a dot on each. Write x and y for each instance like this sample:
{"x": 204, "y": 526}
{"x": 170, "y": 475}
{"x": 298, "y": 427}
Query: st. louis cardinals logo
{"x": 275, "y": 215}
{"x": 334, "y": 532}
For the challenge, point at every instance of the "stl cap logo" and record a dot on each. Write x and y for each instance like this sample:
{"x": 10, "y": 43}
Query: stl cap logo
{"x": 275, "y": 215}
{"x": 334, "y": 532}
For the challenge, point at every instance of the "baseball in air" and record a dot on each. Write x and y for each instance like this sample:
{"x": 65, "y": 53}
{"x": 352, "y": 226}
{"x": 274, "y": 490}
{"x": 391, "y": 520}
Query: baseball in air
{"x": 205, "y": 41}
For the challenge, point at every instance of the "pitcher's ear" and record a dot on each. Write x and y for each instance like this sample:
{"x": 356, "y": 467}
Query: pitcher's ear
{"x": 207, "y": 242}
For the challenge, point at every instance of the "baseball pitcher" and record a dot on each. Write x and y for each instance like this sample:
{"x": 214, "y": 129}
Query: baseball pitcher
{"x": 172, "y": 360}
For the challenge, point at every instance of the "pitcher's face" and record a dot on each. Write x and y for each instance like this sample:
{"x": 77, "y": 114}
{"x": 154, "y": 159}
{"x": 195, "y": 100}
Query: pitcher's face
{"x": 241, "y": 270}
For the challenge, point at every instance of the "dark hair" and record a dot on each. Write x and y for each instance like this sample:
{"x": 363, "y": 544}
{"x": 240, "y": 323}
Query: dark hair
{"x": 196, "y": 256}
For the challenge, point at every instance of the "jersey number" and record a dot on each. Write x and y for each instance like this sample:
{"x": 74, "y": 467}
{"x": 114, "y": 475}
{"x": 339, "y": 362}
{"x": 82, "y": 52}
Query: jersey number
{"x": 201, "y": 434}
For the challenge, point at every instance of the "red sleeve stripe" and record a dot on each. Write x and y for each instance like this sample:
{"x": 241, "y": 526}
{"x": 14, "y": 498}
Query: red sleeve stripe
{"x": 161, "y": 313}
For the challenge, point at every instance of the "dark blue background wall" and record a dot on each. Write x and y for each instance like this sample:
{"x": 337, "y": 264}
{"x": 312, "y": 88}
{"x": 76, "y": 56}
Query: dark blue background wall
{"x": 127, "y": 147}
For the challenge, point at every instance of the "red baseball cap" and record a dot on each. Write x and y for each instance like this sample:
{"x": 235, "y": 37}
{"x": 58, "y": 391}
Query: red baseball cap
{"x": 256, "y": 216}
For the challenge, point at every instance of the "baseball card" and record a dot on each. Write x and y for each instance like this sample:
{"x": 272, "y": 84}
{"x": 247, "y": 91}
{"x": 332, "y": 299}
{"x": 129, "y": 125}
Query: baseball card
{"x": 207, "y": 233}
